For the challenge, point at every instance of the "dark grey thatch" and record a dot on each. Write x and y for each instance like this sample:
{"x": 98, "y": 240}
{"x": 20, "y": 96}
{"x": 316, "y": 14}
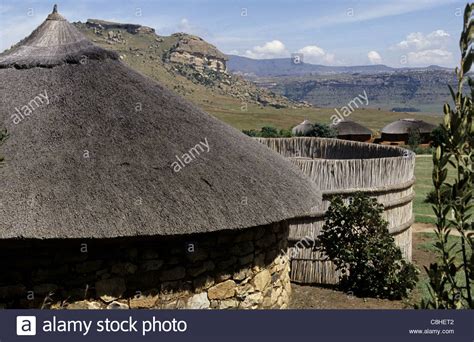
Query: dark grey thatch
{"x": 54, "y": 42}
{"x": 348, "y": 127}
{"x": 95, "y": 160}
{"x": 303, "y": 128}
{"x": 403, "y": 126}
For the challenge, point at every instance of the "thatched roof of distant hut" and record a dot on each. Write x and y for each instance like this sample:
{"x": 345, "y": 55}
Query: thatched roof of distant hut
{"x": 349, "y": 127}
{"x": 95, "y": 160}
{"x": 303, "y": 128}
{"x": 403, "y": 126}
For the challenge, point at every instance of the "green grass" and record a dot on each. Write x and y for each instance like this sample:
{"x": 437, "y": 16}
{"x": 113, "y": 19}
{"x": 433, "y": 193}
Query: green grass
{"x": 423, "y": 172}
{"x": 428, "y": 246}
{"x": 423, "y": 169}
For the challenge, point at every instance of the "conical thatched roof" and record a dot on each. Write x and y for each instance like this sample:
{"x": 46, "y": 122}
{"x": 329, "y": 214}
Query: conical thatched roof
{"x": 349, "y": 127}
{"x": 96, "y": 155}
{"x": 403, "y": 126}
{"x": 54, "y": 42}
{"x": 303, "y": 128}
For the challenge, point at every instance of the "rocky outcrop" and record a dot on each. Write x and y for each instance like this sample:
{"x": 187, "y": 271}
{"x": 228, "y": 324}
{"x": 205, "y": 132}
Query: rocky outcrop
{"x": 194, "y": 51}
{"x": 108, "y": 25}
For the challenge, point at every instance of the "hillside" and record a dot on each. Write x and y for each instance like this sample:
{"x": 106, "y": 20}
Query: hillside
{"x": 185, "y": 63}
{"x": 195, "y": 69}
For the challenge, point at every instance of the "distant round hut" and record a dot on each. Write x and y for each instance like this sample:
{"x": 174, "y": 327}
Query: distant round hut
{"x": 350, "y": 130}
{"x": 339, "y": 167}
{"x": 400, "y": 130}
{"x": 116, "y": 192}
{"x": 303, "y": 128}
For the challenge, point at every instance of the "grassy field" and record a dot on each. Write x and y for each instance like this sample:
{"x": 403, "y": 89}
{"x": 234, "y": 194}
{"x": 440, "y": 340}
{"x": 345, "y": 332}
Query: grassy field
{"x": 423, "y": 168}
{"x": 427, "y": 245}
{"x": 255, "y": 117}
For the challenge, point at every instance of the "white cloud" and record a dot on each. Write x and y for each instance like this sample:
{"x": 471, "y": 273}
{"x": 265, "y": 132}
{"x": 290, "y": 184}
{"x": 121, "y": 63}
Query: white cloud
{"x": 314, "y": 54}
{"x": 272, "y": 49}
{"x": 428, "y": 57}
{"x": 184, "y": 25}
{"x": 423, "y": 49}
{"x": 374, "y": 57}
{"x": 419, "y": 41}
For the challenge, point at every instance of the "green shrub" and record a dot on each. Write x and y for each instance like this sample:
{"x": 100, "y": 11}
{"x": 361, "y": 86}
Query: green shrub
{"x": 432, "y": 197}
{"x": 322, "y": 131}
{"x": 251, "y": 132}
{"x": 286, "y": 133}
{"x": 414, "y": 138}
{"x": 269, "y": 132}
{"x": 438, "y": 137}
{"x": 356, "y": 239}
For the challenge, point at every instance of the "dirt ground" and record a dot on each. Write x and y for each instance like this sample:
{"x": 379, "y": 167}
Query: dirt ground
{"x": 318, "y": 297}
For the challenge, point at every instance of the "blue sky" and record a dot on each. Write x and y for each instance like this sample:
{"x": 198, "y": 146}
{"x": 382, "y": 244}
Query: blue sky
{"x": 396, "y": 33}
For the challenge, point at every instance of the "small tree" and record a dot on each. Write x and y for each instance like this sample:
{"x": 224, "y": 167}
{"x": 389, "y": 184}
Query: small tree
{"x": 356, "y": 239}
{"x": 322, "y": 131}
{"x": 450, "y": 281}
{"x": 438, "y": 137}
{"x": 414, "y": 138}
{"x": 269, "y": 132}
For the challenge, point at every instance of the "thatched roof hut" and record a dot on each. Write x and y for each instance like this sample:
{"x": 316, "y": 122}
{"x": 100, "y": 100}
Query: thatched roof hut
{"x": 303, "y": 128}
{"x": 99, "y": 151}
{"x": 134, "y": 130}
{"x": 350, "y": 130}
{"x": 400, "y": 130}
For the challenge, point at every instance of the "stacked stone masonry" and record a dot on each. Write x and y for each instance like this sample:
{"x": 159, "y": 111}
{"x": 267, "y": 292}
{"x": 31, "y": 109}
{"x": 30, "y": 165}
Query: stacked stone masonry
{"x": 246, "y": 269}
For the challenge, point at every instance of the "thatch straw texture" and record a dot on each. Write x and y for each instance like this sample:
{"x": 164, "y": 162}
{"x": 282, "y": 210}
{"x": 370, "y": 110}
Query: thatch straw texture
{"x": 403, "y": 126}
{"x": 53, "y": 43}
{"x": 341, "y": 168}
{"x": 96, "y": 159}
{"x": 350, "y": 130}
{"x": 303, "y": 128}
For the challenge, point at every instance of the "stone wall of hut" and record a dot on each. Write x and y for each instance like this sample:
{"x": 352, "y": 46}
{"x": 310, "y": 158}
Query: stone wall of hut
{"x": 246, "y": 269}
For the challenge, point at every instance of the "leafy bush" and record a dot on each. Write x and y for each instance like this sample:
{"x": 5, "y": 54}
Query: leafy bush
{"x": 286, "y": 133}
{"x": 356, "y": 239}
{"x": 414, "y": 138}
{"x": 322, "y": 131}
{"x": 438, "y": 137}
{"x": 268, "y": 132}
{"x": 432, "y": 197}
{"x": 251, "y": 132}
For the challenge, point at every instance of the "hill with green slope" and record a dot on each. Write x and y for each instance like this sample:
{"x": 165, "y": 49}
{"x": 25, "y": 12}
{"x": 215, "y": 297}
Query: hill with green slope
{"x": 196, "y": 69}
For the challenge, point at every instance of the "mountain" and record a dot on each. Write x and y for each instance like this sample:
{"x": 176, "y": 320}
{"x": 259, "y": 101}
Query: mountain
{"x": 252, "y": 68}
{"x": 184, "y": 63}
{"x": 197, "y": 70}
{"x": 395, "y": 89}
